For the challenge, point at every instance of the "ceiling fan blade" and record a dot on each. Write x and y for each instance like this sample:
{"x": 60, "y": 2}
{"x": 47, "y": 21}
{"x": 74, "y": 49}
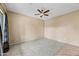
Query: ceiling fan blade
{"x": 46, "y": 14}
{"x": 41, "y": 16}
{"x": 46, "y": 11}
{"x": 36, "y": 14}
{"x": 39, "y": 11}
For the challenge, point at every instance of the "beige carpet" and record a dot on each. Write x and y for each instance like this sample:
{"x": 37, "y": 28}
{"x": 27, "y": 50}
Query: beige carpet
{"x": 43, "y": 47}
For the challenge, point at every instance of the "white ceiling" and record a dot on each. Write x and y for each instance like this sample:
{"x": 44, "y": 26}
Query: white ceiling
{"x": 29, "y": 9}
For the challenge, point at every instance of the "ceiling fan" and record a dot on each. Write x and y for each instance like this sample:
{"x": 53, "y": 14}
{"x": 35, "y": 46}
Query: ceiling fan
{"x": 42, "y": 12}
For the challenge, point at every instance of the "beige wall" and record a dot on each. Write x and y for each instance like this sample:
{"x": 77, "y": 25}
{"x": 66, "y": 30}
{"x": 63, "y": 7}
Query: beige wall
{"x": 23, "y": 28}
{"x": 63, "y": 28}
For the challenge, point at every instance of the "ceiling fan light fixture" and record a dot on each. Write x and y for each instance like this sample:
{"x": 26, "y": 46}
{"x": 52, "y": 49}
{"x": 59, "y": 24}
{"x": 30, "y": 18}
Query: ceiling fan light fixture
{"x": 42, "y": 12}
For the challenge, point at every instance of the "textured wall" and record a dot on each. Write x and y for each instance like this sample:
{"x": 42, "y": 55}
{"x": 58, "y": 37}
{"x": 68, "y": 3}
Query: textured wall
{"x": 23, "y": 28}
{"x": 63, "y": 28}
